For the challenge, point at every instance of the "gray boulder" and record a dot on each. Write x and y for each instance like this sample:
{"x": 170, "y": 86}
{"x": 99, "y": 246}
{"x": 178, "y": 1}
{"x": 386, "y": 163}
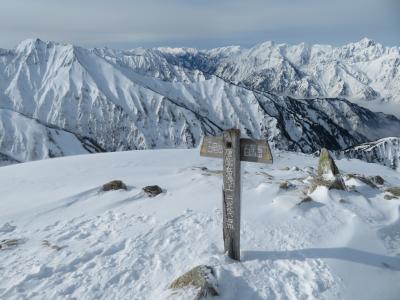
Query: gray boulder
{"x": 114, "y": 185}
{"x": 286, "y": 185}
{"x": 201, "y": 278}
{"x": 152, "y": 190}
{"x": 378, "y": 180}
{"x": 328, "y": 173}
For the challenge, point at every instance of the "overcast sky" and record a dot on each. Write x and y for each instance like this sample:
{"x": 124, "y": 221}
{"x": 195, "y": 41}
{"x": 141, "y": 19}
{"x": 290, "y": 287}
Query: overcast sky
{"x": 198, "y": 23}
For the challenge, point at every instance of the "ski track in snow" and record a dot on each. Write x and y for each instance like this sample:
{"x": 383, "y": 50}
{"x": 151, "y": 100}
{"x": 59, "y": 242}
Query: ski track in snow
{"x": 124, "y": 245}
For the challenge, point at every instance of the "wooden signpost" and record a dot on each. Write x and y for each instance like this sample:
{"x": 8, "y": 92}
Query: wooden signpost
{"x": 233, "y": 149}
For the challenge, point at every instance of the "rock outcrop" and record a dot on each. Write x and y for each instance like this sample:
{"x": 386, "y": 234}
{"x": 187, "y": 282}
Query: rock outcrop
{"x": 328, "y": 173}
{"x": 201, "y": 278}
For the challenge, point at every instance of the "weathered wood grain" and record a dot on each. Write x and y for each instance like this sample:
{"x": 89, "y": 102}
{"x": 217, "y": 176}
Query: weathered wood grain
{"x": 231, "y": 192}
{"x": 211, "y": 146}
{"x": 255, "y": 151}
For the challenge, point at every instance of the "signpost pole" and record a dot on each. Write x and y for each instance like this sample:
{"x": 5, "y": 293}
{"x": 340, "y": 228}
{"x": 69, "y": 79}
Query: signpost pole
{"x": 233, "y": 149}
{"x": 231, "y": 192}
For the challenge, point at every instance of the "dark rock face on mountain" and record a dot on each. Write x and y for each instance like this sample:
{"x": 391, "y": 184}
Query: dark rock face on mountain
{"x": 88, "y": 100}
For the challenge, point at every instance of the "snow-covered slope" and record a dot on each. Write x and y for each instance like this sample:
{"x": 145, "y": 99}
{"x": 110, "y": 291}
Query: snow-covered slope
{"x": 24, "y": 139}
{"x": 384, "y": 151}
{"x": 123, "y": 245}
{"x": 162, "y": 98}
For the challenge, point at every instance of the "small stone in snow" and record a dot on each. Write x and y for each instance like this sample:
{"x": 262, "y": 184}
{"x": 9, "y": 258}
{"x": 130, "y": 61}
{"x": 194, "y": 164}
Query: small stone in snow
{"x": 377, "y": 180}
{"x": 389, "y": 197}
{"x": 305, "y": 200}
{"x": 395, "y": 191}
{"x": 286, "y": 185}
{"x": 7, "y": 243}
{"x": 114, "y": 185}
{"x": 152, "y": 190}
{"x": 362, "y": 178}
{"x": 46, "y": 243}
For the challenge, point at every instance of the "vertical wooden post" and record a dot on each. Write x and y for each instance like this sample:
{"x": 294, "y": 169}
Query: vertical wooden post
{"x": 231, "y": 192}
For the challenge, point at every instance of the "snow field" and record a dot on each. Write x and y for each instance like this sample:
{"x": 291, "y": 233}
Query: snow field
{"x": 124, "y": 245}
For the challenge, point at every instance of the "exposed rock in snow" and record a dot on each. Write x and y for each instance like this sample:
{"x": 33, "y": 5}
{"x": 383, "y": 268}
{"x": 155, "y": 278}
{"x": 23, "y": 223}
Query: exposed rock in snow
{"x": 8, "y": 243}
{"x": 152, "y": 190}
{"x": 390, "y": 196}
{"x": 328, "y": 173}
{"x": 286, "y": 185}
{"x": 371, "y": 181}
{"x": 394, "y": 191}
{"x": 46, "y": 243}
{"x": 306, "y": 199}
{"x": 202, "y": 278}
{"x": 378, "y": 180}
{"x": 114, "y": 185}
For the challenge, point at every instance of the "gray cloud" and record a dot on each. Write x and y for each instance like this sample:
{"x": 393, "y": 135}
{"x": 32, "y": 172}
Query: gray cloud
{"x": 206, "y": 23}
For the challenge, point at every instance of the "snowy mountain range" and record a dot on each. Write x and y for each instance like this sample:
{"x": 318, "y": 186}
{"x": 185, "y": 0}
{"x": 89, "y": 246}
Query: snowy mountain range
{"x": 363, "y": 71}
{"x": 384, "y": 151}
{"x": 58, "y": 99}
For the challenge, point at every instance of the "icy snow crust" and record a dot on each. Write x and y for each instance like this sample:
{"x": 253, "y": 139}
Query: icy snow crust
{"x": 123, "y": 245}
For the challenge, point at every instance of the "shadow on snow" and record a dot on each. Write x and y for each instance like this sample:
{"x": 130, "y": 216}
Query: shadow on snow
{"x": 340, "y": 253}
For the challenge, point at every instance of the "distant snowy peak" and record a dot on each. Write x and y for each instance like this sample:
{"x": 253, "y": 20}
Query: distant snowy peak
{"x": 361, "y": 71}
{"x": 384, "y": 151}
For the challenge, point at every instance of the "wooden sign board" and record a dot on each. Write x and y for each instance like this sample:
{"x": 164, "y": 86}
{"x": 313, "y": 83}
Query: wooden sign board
{"x": 250, "y": 150}
{"x": 212, "y": 146}
{"x": 232, "y": 149}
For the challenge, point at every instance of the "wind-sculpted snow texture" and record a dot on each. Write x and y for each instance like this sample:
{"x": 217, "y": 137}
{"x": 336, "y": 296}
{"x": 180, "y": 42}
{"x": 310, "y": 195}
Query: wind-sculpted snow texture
{"x": 77, "y": 242}
{"x": 170, "y": 98}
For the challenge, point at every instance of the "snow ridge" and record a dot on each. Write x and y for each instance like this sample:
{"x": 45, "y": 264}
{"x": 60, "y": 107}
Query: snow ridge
{"x": 384, "y": 151}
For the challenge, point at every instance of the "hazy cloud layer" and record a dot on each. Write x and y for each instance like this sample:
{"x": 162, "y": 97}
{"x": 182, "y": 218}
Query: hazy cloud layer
{"x": 204, "y": 24}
